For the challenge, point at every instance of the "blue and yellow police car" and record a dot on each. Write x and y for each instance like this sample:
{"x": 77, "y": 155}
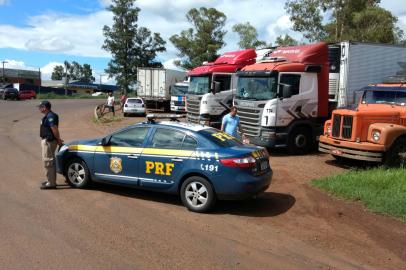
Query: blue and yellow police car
{"x": 200, "y": 163}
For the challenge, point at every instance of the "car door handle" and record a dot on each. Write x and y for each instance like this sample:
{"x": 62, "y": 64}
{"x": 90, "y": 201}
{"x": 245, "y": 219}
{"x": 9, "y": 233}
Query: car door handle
{"x": 177, "y": 159}
{"x": 132, "y": 156}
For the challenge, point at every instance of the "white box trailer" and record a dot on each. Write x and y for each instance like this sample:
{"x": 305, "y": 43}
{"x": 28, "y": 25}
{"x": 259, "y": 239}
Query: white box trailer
{"x": 154, "y": 85}
{"x": 360, "y": 64}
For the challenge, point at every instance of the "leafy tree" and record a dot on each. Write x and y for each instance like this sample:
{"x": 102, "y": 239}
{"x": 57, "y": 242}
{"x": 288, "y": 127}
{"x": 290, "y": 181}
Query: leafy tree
{"x": 286, "y": 41}
{"x": 248, "y": 36}
{"x": 58, "y": 73}
{"x": 86, "y": 74}
{"x": 348, "y": 20}
{"x": 74, "y": 71}
{"x": 130, "y": 46}
{"x": 200, "y": 43}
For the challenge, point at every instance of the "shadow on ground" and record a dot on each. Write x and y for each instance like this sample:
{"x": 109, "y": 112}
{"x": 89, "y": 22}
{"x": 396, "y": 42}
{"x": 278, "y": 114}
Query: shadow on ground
{"x": 267, "y": 204}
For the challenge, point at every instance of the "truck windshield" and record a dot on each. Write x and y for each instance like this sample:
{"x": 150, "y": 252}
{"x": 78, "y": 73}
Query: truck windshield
{"x": 384, "y": 97}
{"x": 178, "y": 90}
{"x": 199, "y": 85}
{"x": 256, "y": 88}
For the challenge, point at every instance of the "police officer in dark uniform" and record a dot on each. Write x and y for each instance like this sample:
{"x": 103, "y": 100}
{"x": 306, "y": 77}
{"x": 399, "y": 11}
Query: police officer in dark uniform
{"x": 50, "y": 139}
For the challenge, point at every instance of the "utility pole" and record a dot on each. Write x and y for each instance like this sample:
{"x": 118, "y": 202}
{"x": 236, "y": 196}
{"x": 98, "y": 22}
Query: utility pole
{"x": 39, "y": 77}
{"x": 3, "y": 62}
{"x": 100, "y": 82}
{"x": 66, "y": 79}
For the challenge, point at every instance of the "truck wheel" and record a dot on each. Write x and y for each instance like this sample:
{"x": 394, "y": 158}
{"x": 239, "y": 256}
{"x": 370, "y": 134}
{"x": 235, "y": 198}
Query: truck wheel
{"x": 197, "y": 194}
{"x": 396, "y": 155}
{"x": 300, "y": 141}
{"x": 76, "y": 173}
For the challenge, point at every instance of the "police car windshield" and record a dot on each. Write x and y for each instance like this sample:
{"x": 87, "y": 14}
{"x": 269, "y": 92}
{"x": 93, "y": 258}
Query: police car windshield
{"x": 220, "y": 138}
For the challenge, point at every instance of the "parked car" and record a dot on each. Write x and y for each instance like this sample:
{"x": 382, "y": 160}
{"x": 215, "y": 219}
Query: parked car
{"x": 27, "y": 94}
{"x": 134, "y": 106}
{"x": 9, "y": 93}
{"x": 199, "y": 163}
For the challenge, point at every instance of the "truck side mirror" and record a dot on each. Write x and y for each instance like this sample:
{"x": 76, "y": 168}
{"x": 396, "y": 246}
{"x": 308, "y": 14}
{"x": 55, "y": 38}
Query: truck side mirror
{"x": 215, "y": 87}
{"x": 285, "y": 90}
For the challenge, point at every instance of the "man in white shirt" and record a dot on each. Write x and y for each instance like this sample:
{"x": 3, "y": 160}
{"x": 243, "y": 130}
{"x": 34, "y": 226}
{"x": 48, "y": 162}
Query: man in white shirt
{"x": 110, "y": 103}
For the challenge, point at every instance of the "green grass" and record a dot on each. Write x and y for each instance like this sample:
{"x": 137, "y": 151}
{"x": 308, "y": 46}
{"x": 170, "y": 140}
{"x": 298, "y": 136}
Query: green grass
{"x": 381, "y": 190}
{"x": 108, "y": 118}
{"x": 78, "y": 96}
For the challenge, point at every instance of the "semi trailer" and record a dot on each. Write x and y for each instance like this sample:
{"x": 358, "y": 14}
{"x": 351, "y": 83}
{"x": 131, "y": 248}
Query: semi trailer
{"x": 154, "y": 86}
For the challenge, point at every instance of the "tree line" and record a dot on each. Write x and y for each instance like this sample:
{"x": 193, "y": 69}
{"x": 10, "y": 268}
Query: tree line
{"x": 132, "y": 46}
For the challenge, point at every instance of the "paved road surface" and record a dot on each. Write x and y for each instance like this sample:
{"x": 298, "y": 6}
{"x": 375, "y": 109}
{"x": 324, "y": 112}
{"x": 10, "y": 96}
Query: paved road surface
{"x": 292, "y": 226}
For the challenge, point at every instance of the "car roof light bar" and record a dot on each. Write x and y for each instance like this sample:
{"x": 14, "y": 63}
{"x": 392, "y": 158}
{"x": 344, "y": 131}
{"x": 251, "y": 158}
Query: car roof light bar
{"x": 173, "y": 117}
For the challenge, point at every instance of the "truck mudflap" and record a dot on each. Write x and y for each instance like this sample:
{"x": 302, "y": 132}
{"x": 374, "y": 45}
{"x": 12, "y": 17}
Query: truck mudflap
{"x": 350, "y": 153}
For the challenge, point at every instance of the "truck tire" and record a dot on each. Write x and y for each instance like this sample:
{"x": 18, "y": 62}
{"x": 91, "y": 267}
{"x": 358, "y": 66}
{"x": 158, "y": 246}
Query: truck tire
{"x": 392, "y": 157}
{"x": 300, "y": 141}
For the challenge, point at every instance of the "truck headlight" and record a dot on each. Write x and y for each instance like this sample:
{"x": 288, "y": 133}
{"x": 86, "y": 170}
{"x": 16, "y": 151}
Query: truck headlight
{"x": 328, "y": 131}
{"x": 376, "y": 135}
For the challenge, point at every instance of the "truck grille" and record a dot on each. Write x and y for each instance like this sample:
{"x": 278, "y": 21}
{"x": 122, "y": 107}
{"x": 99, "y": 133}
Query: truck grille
{"x": 250, "y": 121}
{"x": 178, "y": 103}
{"x": 193, "y": 110}
{"x": 346, "y": 128}
{"x": 336, "y": 125}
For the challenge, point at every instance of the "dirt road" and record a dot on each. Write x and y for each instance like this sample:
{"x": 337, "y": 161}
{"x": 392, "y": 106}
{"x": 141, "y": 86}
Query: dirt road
{"x": 292, "y": 226}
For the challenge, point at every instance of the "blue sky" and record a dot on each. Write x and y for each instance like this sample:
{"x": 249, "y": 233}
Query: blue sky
{"x": 45, "y": 33}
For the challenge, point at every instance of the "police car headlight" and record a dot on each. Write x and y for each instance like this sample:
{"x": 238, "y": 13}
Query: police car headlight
{"x": 376, "y": 135}
{"x": 63, "y": 148}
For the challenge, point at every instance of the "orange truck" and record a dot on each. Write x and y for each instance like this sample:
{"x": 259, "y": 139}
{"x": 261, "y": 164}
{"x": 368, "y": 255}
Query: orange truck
{"x": 375, "y": 130}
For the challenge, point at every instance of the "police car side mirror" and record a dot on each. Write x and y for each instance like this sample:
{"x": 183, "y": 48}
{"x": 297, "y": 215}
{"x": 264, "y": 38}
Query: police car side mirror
{"x": 104, "y": 141}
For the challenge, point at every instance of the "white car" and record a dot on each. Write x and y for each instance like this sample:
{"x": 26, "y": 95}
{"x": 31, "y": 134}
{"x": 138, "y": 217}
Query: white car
{"x": 134, "y": 106}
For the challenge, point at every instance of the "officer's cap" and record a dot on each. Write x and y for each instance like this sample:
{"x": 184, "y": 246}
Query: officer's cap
{"x": 45, "y": 103}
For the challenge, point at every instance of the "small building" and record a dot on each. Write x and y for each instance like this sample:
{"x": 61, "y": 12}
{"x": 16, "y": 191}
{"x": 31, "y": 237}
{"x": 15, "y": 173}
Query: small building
{"x": 89, "y": 88}
{"x": 22, "y": 76}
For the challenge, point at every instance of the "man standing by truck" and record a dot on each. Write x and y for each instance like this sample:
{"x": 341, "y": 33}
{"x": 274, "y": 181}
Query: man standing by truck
{"x": 231, "y": 123}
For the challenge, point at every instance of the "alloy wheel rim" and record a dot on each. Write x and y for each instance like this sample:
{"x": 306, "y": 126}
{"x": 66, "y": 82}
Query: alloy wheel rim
{"x": 76, "y": 173}
{"x": 196, "y": 194}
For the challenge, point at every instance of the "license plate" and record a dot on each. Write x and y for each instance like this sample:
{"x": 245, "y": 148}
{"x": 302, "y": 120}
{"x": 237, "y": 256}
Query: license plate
{"x": 336, "y": 152}
{"x": 264, "y": 165}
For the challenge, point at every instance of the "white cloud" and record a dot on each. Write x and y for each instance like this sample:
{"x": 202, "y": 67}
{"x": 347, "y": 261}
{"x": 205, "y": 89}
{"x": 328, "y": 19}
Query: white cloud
{"x": 82, "y": 35}
{"x": 61, "y": 33}
{"x": 170, "y": 64}
{"x": 4, "y": 2}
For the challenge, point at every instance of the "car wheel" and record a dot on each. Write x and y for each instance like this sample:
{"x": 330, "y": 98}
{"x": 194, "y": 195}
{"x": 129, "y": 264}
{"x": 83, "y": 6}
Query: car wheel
{"x": 300, "y": 141}
{"x": 197, "y": 194}
{"x": 77, "y": 174}
{"x": 32, "y": 97}
{"x": 125, "y": 114}
{"x": 395, "y": 156}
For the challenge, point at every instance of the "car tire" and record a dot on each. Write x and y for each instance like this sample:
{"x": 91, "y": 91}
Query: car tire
{"x": 77, "y": 173}
{"x": 197, "y": 194}
{"x": 392, "y": 157}
{"x": 125, "y": 114}
{"x": 300, "y": 141}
